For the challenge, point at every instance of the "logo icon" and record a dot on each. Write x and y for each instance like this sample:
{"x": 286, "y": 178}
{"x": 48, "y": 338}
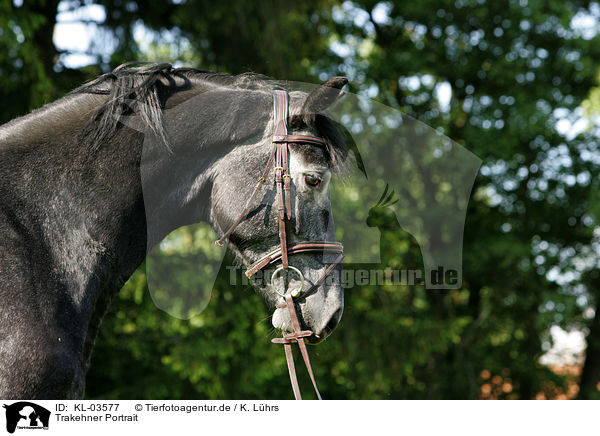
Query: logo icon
{"x": 26, "y": 415}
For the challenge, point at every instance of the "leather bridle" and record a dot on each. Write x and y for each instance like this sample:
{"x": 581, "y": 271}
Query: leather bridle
{"x": 282, "y": 180}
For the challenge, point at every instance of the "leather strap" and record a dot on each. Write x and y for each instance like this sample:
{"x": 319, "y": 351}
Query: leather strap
{"x": 279, "y": 173}
{"x": 289, "y": 357}
{"x": 294, "y": 139}
{"x": 298, "y": 337}
{"x": 300, "y": 248}
{"x": 280, "y": 112}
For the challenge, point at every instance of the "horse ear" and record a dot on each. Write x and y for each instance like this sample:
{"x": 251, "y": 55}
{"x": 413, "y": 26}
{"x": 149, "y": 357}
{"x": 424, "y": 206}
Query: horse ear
{"x": 324, "y": 96}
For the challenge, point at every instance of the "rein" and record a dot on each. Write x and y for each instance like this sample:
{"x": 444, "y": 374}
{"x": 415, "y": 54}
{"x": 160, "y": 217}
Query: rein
{"x": 280, "y": 156}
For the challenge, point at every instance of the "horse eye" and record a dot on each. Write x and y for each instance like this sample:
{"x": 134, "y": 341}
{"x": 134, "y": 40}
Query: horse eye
{"x": 312, "y": 180}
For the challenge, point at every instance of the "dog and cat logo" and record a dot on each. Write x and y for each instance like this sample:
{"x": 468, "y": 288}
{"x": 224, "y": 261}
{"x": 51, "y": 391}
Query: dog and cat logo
{"x": 26, "y": 415}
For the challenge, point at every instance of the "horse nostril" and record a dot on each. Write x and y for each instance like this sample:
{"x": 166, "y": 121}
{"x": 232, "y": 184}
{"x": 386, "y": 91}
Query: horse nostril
{"x": 331, "y": 325}
{"x": 333, "y": 322}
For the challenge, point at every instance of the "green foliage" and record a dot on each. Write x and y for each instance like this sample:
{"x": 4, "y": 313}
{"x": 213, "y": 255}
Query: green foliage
{"x": 222, "y": 353}
{"x": 25, "y": 82}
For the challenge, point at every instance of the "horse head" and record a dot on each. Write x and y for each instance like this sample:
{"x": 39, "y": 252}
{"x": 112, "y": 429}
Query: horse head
{"x": 307, "y": 206}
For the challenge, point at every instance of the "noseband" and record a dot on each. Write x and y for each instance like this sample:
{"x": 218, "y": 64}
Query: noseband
{"x": 282, "y": 180}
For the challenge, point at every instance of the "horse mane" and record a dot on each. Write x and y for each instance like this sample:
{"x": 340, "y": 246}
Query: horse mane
{"x": 144, "y": 88}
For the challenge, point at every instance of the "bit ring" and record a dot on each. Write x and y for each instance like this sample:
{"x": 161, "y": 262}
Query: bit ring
{"x": 293, "y": 292}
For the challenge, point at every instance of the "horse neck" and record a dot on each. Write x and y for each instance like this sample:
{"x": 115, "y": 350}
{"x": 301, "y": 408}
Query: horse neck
{"x": 79, "y": 211}
{"x": 106, "y": 216}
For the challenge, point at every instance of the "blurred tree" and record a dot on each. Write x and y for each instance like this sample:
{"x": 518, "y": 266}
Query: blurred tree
{"x": 590, "y": 377}
{"x": 514, "y": 69}
{"x": 29, "y": 72}
{"x": 275, "y": 38}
